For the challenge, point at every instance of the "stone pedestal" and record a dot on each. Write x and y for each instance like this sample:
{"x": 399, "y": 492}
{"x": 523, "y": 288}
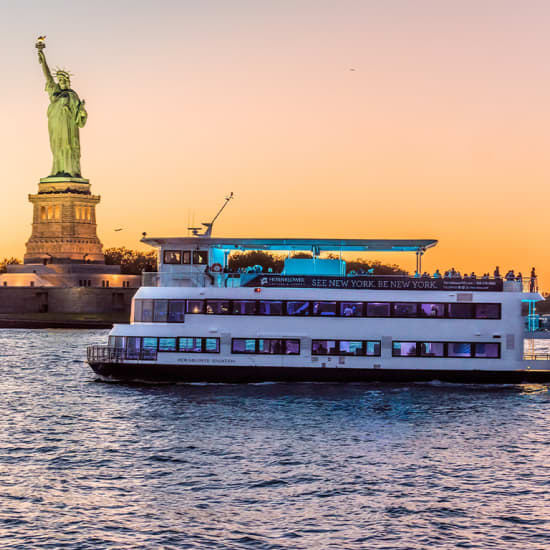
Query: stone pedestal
{"x": 64, "y": 224}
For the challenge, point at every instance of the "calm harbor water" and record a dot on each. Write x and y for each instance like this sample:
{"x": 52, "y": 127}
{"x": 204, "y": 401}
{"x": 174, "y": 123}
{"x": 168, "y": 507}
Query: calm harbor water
{"x": 90, "y": 465}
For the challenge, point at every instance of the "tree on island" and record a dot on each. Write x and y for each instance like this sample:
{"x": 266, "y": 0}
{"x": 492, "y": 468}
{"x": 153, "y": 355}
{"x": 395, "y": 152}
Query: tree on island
{"x": 8, "y": 261}
{"x": 240, "y": 260}
{"x": 132, "y": 262}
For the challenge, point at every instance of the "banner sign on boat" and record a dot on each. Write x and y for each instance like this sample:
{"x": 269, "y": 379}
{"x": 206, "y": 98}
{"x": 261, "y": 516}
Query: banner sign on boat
{"x": 377, "y": 282}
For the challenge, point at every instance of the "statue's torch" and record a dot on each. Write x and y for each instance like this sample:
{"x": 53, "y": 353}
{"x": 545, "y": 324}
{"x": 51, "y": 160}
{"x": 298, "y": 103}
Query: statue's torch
{"x": 40, "y": 45}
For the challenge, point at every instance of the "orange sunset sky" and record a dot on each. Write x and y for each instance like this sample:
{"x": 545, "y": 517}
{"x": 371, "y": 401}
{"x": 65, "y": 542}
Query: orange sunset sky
{"x": 359, "y": 119}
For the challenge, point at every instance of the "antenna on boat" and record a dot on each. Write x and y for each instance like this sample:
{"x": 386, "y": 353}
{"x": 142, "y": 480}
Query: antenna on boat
{"x": 208, "y": 226}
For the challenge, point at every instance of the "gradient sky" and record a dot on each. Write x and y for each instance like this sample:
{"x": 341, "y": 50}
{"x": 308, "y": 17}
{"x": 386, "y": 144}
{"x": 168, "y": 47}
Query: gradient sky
{"x": 441, "y": 131}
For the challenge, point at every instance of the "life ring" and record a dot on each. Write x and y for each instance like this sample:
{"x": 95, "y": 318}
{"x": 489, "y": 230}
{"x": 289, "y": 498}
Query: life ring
{"x": 216, "y": 268}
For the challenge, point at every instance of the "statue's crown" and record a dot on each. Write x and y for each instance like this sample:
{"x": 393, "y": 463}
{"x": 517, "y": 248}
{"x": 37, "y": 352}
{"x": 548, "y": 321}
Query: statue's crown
{"x": 63, "y": 72}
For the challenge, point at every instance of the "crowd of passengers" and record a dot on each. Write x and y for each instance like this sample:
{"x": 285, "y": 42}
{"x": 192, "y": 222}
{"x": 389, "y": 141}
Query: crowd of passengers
{"x": 456, "y": 275}
{"x": 451, "y": 274}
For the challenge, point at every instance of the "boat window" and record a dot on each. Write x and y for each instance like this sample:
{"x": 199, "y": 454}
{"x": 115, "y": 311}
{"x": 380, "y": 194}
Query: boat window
{"x": 138, "y": 308}
{"x": 160, "y": 311}
{"x": 324, "y": 308}
{"x": 243, "y": 345}
{"x": 324, "y": 347}
{"x": 133, "y": 347}
{"x": 377, "y": 309}
{"x": 460, "y": 311}
{"x": 432, "y": 310}
{"x": 167, "y": 344}
{"x": 200, "y": 257}
{"x": 147, "y": 311}
{"x": 432, "y": 349}
{"x": 244, "y": 307}
{"x": 116, "y": 341}
{"x": 487, "y": 311}
{"x": 217, "y": 307}
{"x": 272, "y": 346}
{"x": 195, "y": 306}
{"x": 212, "y": 345}
{"x": 487, "y": 350}
{"x": 150, "y": 343}
{"x": 351, "y": 309}
{"x": 172, "y": 256}
{"x": 270, "y": 307}
{"x": 372, "y": 348}
{"x": 292, "y": 347}
{"x": 459, "y": 349}
{"x": 404, "y": 309}
{"x": 176, "y": 311}
{"x": 297, "y": 308}
{"x": 190, "y": 345}
{"x": 351, "y": 347}
{"x": 186, "y": 256}
{"x": 404, "y": 349}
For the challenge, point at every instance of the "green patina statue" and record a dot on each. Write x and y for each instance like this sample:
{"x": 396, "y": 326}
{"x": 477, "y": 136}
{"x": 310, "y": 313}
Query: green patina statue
{"x": 66, "y": 114}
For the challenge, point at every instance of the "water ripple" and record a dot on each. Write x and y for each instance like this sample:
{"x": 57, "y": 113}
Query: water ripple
{"x": 93, "y": 465}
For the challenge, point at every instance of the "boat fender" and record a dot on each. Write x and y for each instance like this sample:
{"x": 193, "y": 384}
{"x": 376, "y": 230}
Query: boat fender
{"x": 216, "y": 268}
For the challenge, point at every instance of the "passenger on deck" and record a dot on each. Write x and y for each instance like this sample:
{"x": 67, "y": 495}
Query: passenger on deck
{"x": 533, "y": 281}
{"x": 496, "y": 274}
{"x": 473, "y": 276}
{"x": 416, "y": 275}
{"x": 510, "y": 276}
{"x": 519, "y": 277}
{"x": 436, "y": 274}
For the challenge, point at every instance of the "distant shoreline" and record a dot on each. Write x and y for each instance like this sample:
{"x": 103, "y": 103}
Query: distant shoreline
{"x": 61, "y": 320}
{"x": 33, "y": 323}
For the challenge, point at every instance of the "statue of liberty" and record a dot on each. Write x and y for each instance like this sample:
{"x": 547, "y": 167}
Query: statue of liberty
{"x": 66, "y": 114}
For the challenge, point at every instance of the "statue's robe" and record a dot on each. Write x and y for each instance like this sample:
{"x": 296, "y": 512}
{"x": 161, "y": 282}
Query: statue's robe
{"x": 66, "y": 115}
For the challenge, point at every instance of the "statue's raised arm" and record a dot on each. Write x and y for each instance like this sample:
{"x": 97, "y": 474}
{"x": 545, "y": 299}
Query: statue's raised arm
{"x": 66, "y": 114}
{"x": 45, "y": 68}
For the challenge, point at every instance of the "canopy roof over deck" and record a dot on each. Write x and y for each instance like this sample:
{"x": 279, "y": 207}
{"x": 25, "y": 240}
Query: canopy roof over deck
{"x": 316, "y": 246}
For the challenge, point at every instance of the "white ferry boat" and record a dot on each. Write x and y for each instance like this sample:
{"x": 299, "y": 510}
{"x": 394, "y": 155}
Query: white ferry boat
{"x": 194, "y": 321}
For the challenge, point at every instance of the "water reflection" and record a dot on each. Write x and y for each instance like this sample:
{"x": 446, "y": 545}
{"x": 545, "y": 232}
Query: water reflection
{"x": 92, "y": 465}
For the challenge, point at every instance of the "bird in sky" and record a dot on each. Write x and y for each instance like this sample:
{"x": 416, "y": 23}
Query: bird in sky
{"x": 41, "y": 38}
{"x": 119, "y": 229}
{"x": 352, "y": 69}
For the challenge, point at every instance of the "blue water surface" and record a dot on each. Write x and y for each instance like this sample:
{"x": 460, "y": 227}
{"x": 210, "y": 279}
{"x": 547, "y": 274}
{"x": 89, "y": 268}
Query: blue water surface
{"x": 91, "y": 465}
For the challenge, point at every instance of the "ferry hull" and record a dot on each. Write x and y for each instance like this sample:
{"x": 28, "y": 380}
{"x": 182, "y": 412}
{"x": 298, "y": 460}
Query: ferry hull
{"x": 147, "y": 372}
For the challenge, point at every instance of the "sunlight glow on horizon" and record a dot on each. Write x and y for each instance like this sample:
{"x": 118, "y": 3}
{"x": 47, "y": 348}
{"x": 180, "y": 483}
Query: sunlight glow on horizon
{"x": 442, "y": 130}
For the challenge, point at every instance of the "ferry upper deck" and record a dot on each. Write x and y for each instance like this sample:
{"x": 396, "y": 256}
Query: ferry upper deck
{"x": 200, "y": 261}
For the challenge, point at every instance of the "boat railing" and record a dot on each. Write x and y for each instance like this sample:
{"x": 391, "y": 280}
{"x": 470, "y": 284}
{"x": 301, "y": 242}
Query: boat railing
{"x": 109, "y": 354}
{"x": 536, "y": 356}
{"x": 219, "y": 280}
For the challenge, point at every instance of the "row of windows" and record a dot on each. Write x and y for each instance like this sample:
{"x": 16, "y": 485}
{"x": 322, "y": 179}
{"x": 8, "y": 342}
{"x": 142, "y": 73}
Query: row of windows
{"x": 271, "y": 346}
{"x": 173, "y": 311}
{"x": 53, "y": 212}
{"x": 446, "y": 349}
{"x": 199, "y": 257}
{"x": 179, "y": 344}
{"x": 83, "y": 212}
{"x": 291, "y": 346}
{"x": 346, "y": 347}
